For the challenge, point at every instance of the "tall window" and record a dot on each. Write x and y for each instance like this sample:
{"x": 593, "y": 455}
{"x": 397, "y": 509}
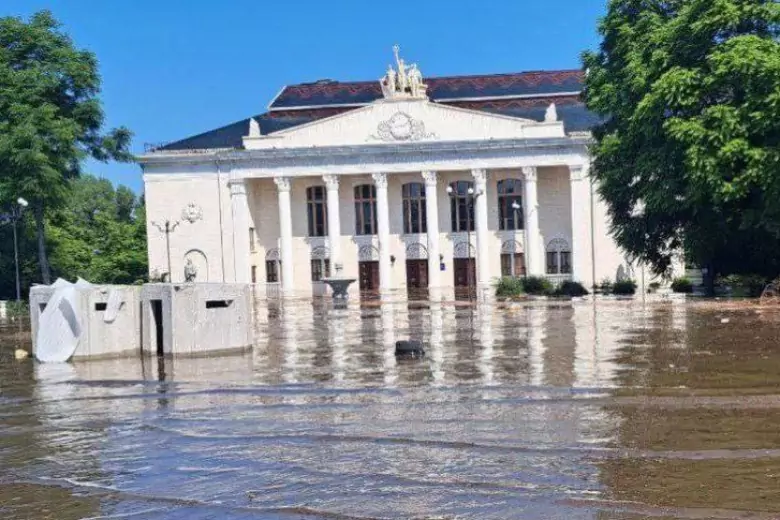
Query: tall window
{"x": 558, "y": 257}
{"x": 320, "y": 264}
{"x": 365, "y": 209}
{"x": 317, "y": 209}
{"x": 320, "y": 268}
{"x": 462, "y": 206}
{"x": 415, "y": 216}
{"x": 252, "y": 239}
{"x": 510, "y": 194}
{"x": 506, "y": 264}
{"x": 272, "y": 271}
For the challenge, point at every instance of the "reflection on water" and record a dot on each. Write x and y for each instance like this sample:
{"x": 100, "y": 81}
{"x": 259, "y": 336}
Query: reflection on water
{"x": 599, "y": 411}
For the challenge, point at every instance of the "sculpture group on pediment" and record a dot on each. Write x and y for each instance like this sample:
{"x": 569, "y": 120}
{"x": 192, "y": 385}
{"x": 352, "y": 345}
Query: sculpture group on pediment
{"x": 405, "y": 82}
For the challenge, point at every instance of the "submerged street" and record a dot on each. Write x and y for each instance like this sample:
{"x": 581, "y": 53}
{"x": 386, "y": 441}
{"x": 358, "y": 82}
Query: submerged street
{"x": 606, "y": 410}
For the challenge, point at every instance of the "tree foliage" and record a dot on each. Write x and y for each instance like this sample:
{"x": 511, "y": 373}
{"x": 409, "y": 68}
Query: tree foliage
{"x": 688, "y": 153}
{"x": 99, "y": 235}
{"x": 50, "y": 117}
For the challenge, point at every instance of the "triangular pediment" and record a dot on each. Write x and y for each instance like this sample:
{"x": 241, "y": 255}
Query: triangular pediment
{"x": 392, "y": 121}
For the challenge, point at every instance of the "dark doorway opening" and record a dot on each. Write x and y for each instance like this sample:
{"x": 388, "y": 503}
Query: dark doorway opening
{"x": 417, "y": 279}
{"x": 157, "y": 318}
{"x": 465, "y": 273}
{"x": 369, "y": 279}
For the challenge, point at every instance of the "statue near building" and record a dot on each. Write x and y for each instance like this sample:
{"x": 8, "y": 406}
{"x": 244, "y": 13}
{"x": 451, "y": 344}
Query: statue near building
{"x": 190, "y": 271}
{"x": 405, "y": 82}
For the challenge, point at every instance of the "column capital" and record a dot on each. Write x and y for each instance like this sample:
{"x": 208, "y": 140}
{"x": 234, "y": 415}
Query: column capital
{"x": 577, "y": 172}
{"x": 431, "y": 178}
{"x": 282, "y": 183}
{"x": 480, "y": 175}
{"x": 529, "y": 172}
{"x": 380, "y": 179}
{"x": 331, "y": 181}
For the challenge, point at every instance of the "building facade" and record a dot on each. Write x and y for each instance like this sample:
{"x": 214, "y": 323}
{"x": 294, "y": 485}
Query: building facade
{"x": 427, "y": 187}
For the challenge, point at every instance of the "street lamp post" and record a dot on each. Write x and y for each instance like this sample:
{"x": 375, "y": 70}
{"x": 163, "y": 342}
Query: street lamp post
{"x": 16, "y": 214}
{"x": 167, "y": 227}
{"x": 515, "y": 210}
{"x": 470, "y": 203}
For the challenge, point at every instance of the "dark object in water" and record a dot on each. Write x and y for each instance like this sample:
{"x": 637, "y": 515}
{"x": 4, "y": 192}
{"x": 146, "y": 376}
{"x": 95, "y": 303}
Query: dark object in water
{"x": 409, "y": 348}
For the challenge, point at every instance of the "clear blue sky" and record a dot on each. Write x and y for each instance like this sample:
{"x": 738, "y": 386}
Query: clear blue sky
{"x": 173, "y": 68}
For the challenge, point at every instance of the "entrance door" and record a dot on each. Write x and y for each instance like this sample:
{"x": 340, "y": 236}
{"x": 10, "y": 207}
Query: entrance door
{"x": 417, "y": 279}
{"x": 465, "y": 278}
{"x": 369, "y": 278}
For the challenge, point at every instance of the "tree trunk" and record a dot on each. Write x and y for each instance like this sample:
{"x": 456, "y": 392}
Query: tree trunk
{"x": 43, "y": 259}
{"x": 709, "y": 279}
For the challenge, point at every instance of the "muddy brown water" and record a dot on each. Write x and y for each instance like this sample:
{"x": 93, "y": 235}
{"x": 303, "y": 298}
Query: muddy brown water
{"x": 612, "y": 410}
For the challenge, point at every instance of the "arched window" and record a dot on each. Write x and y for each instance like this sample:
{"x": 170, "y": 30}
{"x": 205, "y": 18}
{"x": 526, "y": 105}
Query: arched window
{"x": 415, "y": 216}
{"x": 462, "y": 206}
{"x": 317, "y": 209}
{"x": 510, "y": 194}
{"x": 558, "y": 257}
{"x": 365, "y": 209}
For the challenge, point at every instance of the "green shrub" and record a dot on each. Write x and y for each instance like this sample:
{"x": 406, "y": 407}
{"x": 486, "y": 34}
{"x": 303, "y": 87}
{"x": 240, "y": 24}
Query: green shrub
{"x": 508, "y": 287}
{"x": 624, "y": 287}
{"x": 571, "y": 288}
{"x": 17, "y": 309}
{"x": 606, "y": 286}
{"x": 682, "y": 285}
{"x": 653, "y": 287}
{"x": 538, "y": 285}
{"x": 749, "y": 285}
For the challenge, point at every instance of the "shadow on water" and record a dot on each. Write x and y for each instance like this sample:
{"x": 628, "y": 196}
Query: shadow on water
{"x": 608, "y": 410}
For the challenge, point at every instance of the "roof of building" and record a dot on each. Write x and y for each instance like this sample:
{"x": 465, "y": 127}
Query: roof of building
{"x": 523, "y": 95}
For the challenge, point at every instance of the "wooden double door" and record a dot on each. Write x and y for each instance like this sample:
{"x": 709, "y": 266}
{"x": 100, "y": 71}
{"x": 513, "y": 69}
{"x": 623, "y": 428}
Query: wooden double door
{"x": 368, "y": 278}
{"x": 417, "y": 279}
{"x": 465, "y": 273}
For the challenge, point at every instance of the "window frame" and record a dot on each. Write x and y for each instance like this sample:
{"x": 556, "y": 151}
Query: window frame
{"x": 320, "y": 268}
{"x": 461, "y": 207}
{"x": 317, "y": 211}
{"x": 558, "y": 257}
{"x": 510, "y": 190}
{"x": 361, "y": 203}
{"x": 408, "y": 201}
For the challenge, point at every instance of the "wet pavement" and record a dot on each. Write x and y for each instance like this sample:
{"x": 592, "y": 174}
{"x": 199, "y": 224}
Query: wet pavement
{"x": 613, "y": 410}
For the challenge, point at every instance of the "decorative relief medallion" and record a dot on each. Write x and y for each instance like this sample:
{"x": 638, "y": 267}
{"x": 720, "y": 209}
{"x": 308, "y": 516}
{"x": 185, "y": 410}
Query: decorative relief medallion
{"x": 416, "y": 252}
{"x": 511, "y": 246}
{"x": 368, "y": 254}
{"x": 401, "y": 127}
{"x": 192, "y": 213}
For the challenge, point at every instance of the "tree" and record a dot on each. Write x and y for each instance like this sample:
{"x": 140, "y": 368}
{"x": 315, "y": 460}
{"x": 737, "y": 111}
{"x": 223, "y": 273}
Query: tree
{"x": 687, "y": 155}
{"x": 50, "y": 117}
{"x": 95, "y": 236}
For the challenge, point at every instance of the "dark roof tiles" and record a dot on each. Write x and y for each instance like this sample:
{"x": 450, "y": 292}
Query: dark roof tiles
{"x": 523, "y": 95}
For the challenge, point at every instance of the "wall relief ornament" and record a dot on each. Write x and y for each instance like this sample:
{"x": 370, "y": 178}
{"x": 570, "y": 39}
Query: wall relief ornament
{"x": 192, "y": 213}
{"x": 401, "y": 127}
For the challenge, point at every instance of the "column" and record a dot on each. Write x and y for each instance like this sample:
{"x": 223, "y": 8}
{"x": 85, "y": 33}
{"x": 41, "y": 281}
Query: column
{"x": 383, "y": 231}
{"x": 240, "y": 209}
{"x": 534, "y": 260}
{"x": 432, "y": 219}
{"x": 285, "y": 234}
{"x": 581, "y": 249}
{"x": 481, "y": 227}
{"x": 334, "y": 220}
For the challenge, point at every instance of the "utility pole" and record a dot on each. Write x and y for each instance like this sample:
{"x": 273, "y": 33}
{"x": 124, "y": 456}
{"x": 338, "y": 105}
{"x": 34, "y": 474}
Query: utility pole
{"x": 16, "y": 215}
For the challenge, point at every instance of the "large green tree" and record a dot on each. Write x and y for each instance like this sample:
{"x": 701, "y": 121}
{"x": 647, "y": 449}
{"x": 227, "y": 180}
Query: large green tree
{"x": 50, "y": 118}
{"x": 99, "y": 234}
{"x": 688, "y": 153}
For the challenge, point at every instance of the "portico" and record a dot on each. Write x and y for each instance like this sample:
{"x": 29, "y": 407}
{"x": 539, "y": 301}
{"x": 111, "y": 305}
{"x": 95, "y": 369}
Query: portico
{"x": 407, "y": 193}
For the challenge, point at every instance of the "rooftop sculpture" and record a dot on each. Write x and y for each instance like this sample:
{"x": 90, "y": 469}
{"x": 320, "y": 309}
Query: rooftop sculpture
{"x": 405, "y": 82}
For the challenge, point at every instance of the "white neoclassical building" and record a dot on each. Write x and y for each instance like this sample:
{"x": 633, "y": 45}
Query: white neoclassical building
{"x": 404, "y": 184}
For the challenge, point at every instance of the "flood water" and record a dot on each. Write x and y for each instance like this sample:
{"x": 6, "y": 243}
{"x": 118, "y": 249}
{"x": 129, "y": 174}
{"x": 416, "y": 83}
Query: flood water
{"x": 612, "y": 410}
